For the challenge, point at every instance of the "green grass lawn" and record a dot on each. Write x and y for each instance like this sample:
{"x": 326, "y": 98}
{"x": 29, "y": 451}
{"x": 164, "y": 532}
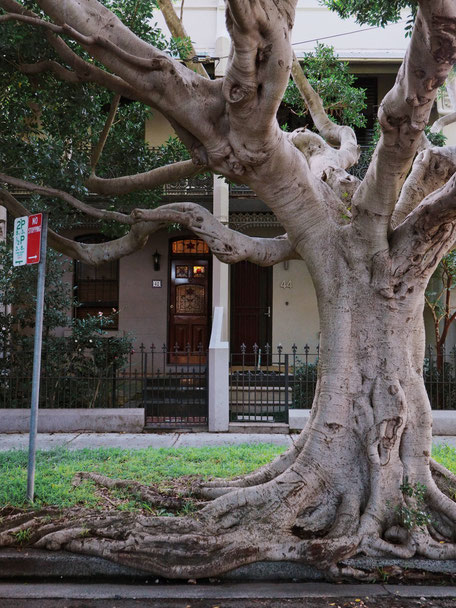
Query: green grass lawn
{"x": 55, "y": 471}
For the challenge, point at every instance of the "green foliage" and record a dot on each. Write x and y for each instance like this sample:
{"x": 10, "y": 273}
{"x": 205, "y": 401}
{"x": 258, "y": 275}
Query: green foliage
{"x": 414, "y": 514}
{"x": 86, "y": 354}
{"x": 376, "y": 12}
{"x": 50, "y": 127}
{"x": 436, "y": 139}
{"x": 55, "y": 471}
{"x": 23, "y": 536}
{"x": 305, "y": 381}
{"x": 446, "y": 455}
{"x": 18, "y": 290}
{"x": 331, "y": 79}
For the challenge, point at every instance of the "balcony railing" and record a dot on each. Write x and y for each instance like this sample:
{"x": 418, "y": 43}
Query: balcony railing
{"x": 202, "y": 185}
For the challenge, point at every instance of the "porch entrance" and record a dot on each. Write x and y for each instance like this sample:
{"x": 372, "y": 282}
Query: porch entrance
{"x": 251, "y": 307}
{"x": 174, "y": 396}
{"x": 189, "y": 301}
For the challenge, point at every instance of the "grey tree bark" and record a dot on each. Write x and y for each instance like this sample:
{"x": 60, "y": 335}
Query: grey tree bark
{"x": 340, "y": 490}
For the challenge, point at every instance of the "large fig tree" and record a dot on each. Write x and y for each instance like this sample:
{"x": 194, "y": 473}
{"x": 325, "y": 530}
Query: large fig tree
{"x": 362, "y": 465}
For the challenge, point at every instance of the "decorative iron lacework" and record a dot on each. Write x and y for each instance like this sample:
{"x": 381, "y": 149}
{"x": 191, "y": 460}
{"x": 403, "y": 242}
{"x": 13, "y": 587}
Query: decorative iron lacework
{"x": 198, "y": 185}
{"x": 190, "y": 246}
{"x": 240, "y": 221}
{"x": 241, "y": 191}
{"x": 203, "y": 185}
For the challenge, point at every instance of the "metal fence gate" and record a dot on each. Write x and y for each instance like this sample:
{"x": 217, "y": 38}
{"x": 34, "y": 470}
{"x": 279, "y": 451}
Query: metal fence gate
{"x": 264, "y": 383}
{"x": 175, "y": 387}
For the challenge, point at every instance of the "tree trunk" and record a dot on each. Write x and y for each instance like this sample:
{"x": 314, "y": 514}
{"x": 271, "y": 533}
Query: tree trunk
{"x": 371, "y": 418}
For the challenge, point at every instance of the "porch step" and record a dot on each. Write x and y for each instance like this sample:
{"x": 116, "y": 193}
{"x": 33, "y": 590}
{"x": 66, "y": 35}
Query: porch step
{"x": 257, "y": 409}
{"x": 259, "y": 395}
{"x": 260, "y": 379}
{"x": 177, "y": 381}
{"x": 174, "y": 396}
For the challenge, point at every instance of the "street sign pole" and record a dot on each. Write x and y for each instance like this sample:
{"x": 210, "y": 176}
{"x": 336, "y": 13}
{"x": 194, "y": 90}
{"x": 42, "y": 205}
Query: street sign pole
{"x": 37, "y": 361}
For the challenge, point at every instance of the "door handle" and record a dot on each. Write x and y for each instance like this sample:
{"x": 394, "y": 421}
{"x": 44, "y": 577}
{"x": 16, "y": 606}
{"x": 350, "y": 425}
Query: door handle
{"x": 171, "y": 306}
{"x": 268, "y": 312}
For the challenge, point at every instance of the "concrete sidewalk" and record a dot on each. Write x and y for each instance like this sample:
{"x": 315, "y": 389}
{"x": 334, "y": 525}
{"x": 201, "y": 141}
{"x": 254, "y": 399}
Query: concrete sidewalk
{"x": 79, "y": 441}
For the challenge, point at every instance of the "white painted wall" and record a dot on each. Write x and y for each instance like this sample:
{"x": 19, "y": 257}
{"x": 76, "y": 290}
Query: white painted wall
{"x": 294, "y": 307}
{"x": 204, "y": 21}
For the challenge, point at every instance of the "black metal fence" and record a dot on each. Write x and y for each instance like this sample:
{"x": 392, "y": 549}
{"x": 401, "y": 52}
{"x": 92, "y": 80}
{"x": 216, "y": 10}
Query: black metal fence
{"x": 170, "y": 385}
{"x": 264, "y": 383}
{"x": 439, "y": 373}
{"x": 175, "y": 387}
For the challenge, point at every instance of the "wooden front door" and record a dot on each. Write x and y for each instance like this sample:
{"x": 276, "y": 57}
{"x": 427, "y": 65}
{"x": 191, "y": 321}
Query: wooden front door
{"x": 189, "y": 307}
{"x": 251, "y": 306}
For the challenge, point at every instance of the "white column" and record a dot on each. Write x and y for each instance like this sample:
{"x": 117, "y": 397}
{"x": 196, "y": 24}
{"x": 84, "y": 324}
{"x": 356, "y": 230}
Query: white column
{"x": 218, "y": 389}
{"x": 220, "y": 271}
{"x": 219, "y": 352}
{"x": 222, "y": 50}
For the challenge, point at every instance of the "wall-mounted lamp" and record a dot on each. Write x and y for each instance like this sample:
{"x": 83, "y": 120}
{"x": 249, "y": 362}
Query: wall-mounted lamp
{"x": 156, "y": 257}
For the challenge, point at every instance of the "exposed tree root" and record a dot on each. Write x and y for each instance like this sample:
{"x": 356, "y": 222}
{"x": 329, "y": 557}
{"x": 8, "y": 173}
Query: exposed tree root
{"x": 292, "y": 517}
{"x": 171, "y": 500}
{"x": 219, "y": 487}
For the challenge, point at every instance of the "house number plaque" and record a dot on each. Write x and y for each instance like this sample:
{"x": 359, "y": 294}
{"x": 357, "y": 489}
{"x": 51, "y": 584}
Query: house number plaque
{"x": 286, "y": 284}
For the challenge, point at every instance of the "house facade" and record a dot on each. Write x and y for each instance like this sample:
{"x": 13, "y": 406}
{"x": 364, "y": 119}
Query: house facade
{"x": 166, "y": 293}
{"x": 170, "y": 300}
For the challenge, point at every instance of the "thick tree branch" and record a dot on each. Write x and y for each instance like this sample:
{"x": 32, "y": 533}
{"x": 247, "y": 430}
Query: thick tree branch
{"x": 84, "y": 71}
{"x": 176, "y": 27}
{"x": 93, "y": 254}
{"x": 324, "y": 163}
{"x": 260, "y": 62}
{"x": 156, "y": 78}
{"x": 425, "y": 236}
{"x": 174, "y": 99}
{"x": 432, "y": 168}
{"x": 144, "y": 181}
{"x": 443, "y": 121}
{"x": 403, "y": 115}
{"x": 105, "y": 132}
{"x": 70, "y": 200}
{"x": 50, "y": 66}
{"x": 153, "y": 63}
{"x": 227, "y": 245}
{"x": 343, "y": 137}
{"x": 88, "y": 72}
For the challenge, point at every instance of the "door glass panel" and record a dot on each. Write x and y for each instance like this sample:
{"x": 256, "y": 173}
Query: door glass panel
{"x": 198, "y": 271}
{"x": 182, "y": 272}
{"x": 190, "y": 299}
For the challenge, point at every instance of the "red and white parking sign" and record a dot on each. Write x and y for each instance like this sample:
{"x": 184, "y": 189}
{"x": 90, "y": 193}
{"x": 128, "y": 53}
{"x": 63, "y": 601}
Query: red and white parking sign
{"x": 27, "y": 239}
